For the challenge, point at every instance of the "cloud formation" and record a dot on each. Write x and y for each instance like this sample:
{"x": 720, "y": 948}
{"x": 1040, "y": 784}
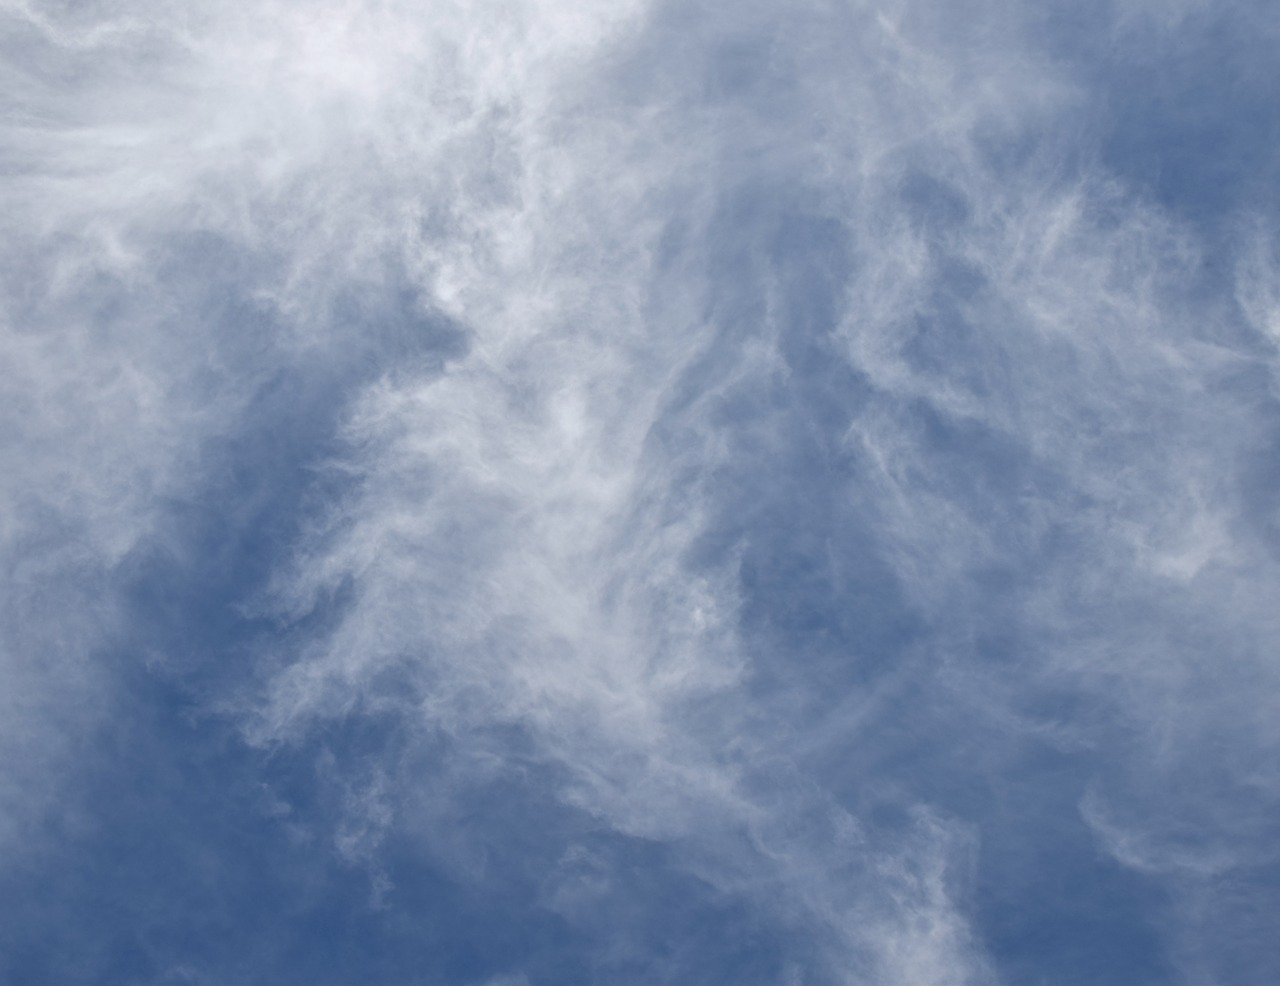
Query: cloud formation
{"x": 534, "y": 493}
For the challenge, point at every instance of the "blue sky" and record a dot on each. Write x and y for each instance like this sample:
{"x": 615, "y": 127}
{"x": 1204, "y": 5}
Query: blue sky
{"x": 525, "y": 493}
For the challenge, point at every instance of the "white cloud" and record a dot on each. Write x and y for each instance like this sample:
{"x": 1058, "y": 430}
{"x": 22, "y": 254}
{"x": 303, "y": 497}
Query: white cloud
{"x": 520, "y": 543}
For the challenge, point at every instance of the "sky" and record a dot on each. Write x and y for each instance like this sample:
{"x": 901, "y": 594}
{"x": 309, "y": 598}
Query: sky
{"x": 530, "y": 493}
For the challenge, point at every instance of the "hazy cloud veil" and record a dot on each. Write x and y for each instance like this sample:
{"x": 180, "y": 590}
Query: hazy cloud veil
{"x": 528, "y": 493}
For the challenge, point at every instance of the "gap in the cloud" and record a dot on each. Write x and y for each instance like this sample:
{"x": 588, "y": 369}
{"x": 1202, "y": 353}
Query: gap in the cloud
{"x": 264, "y": 473}
{"x": 173, "y": 848}
{"x": 1048, "y": 897}
{"x": 1182, "y": 109}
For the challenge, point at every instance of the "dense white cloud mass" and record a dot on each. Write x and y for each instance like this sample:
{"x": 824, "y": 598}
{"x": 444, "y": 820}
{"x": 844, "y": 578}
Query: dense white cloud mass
{"x": 529, "y": 492}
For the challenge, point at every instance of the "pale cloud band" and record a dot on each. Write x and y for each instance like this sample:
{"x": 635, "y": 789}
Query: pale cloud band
{"x": 724, "y": 493}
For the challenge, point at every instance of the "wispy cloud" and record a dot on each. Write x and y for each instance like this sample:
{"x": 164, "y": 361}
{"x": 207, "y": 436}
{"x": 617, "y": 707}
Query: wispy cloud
{"x": 795, "y": 473}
